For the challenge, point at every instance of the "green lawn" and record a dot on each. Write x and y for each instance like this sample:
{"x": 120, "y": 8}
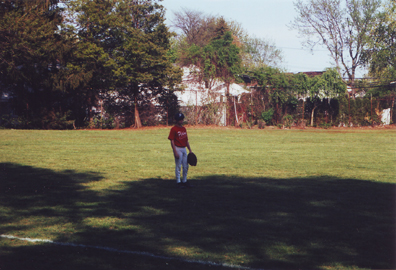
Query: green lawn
{"x": 263, "y": 199}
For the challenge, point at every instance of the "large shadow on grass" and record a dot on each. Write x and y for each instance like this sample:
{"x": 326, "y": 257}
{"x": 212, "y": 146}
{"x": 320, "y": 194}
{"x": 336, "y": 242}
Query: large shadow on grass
{"x": 29, "y": 195}
{"x": 299, "y": 223}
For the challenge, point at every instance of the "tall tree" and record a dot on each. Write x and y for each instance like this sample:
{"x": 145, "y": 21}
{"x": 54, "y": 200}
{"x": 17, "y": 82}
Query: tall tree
{"x": 31, "y": 52}
{"x": 381, "y": 55}
{"x": 219, "y": 60}
{"x": 196, "y": 28}
{"x": 258, "y": 52}
{"x": 94, "y": 28}
{"x": 255, "y": 52}
{"x": 147, "y": 70}
{"x": 124, "y": 46}
{"x": 227, "y": 59}
{"x": 342, "y": 26}
{"x": 382, "y": 52}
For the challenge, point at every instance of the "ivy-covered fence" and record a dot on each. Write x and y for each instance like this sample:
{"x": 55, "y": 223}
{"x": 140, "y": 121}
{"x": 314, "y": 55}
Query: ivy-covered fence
{"x": 343, "y": 111}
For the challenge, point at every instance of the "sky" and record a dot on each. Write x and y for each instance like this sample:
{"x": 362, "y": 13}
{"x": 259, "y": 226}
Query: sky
{"x": 266, "y": 19}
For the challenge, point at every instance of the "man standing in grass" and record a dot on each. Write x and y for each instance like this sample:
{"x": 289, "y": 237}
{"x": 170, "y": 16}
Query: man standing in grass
{"x": 179, "y": 142}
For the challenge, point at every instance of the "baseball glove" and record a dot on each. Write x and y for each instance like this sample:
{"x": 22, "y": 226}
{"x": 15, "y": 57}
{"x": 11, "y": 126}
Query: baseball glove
{"x": 192, "y": 159}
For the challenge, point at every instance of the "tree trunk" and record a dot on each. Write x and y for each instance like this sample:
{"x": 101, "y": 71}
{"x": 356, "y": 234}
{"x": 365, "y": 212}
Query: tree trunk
{"x": 349, "y": 110}
{"x": 196, "y": 107}
{"x": 90, "y": 114}
{"x": 352, "y": 78}
{"x": 138, "y": 123}
{"x": 277, "y": 113}
{"x": 236, "y": 113}
{"x": 371, "y": 107}
{"x": 312, "y": 115}
{"x": 117, "y": 122}
{"x": 229, "y": 102}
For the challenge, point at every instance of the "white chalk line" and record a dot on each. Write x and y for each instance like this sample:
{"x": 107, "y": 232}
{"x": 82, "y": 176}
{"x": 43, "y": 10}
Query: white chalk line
{"x": 208, "y": 263}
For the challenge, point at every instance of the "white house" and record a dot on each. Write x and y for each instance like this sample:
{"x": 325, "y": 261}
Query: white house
{"x": 197, "y": 93}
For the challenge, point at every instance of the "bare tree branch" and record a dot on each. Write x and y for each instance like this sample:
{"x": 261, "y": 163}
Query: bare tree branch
{"x": 342, "y": 26}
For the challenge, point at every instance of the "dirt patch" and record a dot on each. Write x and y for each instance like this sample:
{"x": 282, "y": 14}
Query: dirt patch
{"x": 391, "y": 127}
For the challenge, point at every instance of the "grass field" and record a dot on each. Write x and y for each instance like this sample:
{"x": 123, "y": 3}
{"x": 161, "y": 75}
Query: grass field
{"x": 262, "y": 199}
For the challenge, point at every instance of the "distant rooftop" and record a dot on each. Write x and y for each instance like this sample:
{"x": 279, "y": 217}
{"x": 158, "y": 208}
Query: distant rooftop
{"x": 312, "y": 73}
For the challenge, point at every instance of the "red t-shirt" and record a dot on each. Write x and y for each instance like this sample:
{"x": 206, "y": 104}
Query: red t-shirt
{"x": 179, "y": 135}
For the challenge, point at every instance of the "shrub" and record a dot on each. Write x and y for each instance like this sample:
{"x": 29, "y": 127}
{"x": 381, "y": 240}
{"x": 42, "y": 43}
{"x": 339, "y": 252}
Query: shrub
{"x": 325, "y": 125}
{"x": 288, "y": 120}
{"x": 261, "y": 124}
{"x": 12, "y": 121}
{"x": 268, "y": 115}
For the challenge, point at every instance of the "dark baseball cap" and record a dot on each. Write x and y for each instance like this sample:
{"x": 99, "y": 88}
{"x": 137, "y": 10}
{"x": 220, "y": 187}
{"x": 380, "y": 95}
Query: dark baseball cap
{"x": 179, "y": 116}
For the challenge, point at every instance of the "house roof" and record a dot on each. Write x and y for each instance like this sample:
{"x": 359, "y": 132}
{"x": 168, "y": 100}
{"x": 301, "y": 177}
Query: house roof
{"x": 313, "y": 73}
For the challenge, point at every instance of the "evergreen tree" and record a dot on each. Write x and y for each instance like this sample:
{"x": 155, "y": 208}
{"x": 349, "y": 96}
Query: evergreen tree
{"x": 123, "y": 47}
{"x": 31, "y": 53}
{"x": 146, "y": 72}
{"x": 94, "y": 29}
